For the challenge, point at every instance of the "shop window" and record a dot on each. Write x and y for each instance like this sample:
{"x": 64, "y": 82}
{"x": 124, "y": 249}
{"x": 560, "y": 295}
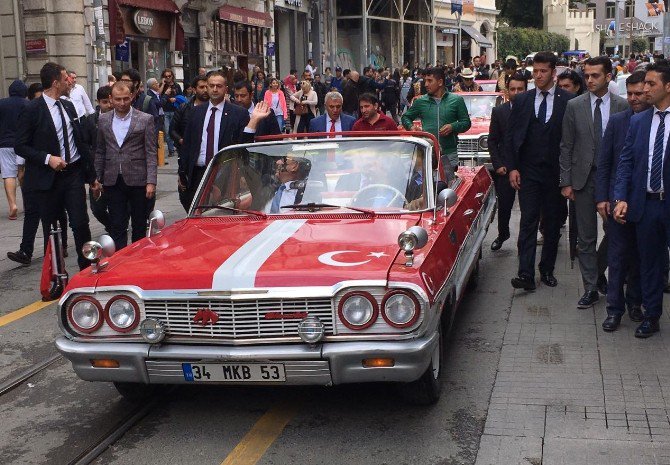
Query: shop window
{"x": 630, "y": 8}
{"x": 610, "y": 11}
{"x": 352, "y": 8}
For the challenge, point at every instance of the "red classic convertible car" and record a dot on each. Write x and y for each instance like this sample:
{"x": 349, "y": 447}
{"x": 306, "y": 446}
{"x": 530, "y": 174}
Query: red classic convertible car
{"x": 316, "y": 261}
{"x": 473, "y": 145}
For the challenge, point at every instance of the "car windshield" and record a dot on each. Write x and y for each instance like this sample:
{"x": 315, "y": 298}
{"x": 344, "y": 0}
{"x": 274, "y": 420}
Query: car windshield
{"x": 480, "y": 106}
{"x": 344, "y": 175}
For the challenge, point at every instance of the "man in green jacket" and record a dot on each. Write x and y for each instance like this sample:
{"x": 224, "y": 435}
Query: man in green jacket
{"x": 442, "y": 114}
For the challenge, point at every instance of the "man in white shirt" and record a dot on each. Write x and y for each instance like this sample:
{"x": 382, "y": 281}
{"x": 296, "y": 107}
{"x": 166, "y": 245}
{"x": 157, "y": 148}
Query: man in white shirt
{"x": 126, "y": 164}
{"x": 310, "y": 67}
{"x": 78, "y": 97}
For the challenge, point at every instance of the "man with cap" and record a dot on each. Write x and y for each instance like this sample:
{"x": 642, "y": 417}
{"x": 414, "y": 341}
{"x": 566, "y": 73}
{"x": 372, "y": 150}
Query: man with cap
{"x": 337, "y": 80}
{"x": 468, "y": 83}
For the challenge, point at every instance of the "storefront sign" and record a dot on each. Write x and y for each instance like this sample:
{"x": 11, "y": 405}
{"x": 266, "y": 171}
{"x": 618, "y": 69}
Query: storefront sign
{"x": 296, "y": 3}
{"x": 244, "y": 16}
{"x": 465, "y": 43}
{"x": 638, "y": 28}
{"x": 36, "y": 45}
{"x": 270, "y": 49}
{"x": 144, "y": 21}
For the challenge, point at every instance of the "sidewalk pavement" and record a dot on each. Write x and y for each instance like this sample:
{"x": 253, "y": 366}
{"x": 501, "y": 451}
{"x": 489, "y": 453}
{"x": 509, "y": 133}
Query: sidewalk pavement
{"x": 566, "y": 392}
{"x": 11, "y": 230}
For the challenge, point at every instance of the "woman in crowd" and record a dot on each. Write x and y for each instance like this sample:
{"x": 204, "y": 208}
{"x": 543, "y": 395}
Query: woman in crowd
{"x": 305, "y": 101}
{"x": 570, "y": 81}
{"x": 290, "y": 89}
{"x": 276, "y": 100}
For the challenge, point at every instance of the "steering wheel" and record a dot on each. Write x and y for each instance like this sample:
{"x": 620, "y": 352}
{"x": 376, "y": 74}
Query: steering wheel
{"x": 370, "y": 195}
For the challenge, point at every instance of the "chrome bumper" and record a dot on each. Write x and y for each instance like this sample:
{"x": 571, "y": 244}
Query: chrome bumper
{"x": 325, "y": 364}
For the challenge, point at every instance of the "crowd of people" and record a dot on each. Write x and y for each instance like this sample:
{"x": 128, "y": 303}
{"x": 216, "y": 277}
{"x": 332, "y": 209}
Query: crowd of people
{"x": 563, "y": 142}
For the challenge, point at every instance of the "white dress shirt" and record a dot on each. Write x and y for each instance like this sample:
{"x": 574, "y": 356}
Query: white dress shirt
{"x": 550, "y": 102}
{"x": 120, "y": 126}
{"x": 251, "y": 109}
{"x": 338, "y": 124}
{"x": 55, "y": 117}
{"x": 161, "y": 112}
{"x": 655, "y": 122}
{"x": 604, "y": 109}
{"x": 217, "y": 128}
{"x": 287, "y": 197}
{"x": 80, "y": 100}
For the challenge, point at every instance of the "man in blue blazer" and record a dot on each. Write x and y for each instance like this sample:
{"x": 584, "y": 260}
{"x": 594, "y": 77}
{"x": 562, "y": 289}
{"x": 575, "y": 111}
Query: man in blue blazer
{"x": 639, "y": 192}
{"x": 333, "y": 120}
{"x": 622, "y": 254}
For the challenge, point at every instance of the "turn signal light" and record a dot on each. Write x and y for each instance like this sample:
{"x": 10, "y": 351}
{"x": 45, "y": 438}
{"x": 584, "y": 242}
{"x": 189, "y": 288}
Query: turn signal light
{"x": 104, "y": 363}
{"x": 378, "y": 362}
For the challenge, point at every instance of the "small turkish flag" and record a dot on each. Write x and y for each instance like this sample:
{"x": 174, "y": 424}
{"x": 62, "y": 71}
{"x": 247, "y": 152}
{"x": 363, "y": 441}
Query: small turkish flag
{"x": 47, "y": 273}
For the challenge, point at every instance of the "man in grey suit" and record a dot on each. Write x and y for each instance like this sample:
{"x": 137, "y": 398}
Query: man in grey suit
{"x": 126, "y": 164}
{"x": 584, "y": 123}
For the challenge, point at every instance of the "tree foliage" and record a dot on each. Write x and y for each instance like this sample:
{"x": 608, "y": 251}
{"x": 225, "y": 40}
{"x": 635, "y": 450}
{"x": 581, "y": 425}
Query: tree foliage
{"x": 640, "y": 44}
{"x": 522, "y": 41}
{"x": 521, "y": 13}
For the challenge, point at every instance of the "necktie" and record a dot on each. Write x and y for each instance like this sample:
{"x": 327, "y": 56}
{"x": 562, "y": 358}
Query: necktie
{"x": 656, "y": 174}
{"x": 209, "y": 152}
{"x": 66, "y": 135}
{"x": 277, "y": 199}
{"x": 542, "y": 112}
{"x": 332, "y": 126}
{"x": 598, "y": 124}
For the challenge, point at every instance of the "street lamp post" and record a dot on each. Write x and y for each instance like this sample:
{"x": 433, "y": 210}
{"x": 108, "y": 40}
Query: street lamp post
{"x": 617, "y": 16}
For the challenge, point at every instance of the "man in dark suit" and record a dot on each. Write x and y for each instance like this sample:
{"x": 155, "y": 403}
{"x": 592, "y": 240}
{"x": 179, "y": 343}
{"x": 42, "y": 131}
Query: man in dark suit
{"x": 57, "y": 158}
{"x": 643, "y": 175}
{"x": 333, "y": 120}
{"x": 243, "y": 97}
{"x": 213, "y": 127}
{"x": 585, "y": 121}
{"x": 126, "y": 164}
{"x": 178, "y": 126}
{"x": 622, "y": 261}
{"x": 532, "y": 144}
{"x": 516, "y": 85}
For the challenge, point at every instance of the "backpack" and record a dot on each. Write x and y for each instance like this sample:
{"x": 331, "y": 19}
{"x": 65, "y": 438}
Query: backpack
{"x": 146, "y": 103}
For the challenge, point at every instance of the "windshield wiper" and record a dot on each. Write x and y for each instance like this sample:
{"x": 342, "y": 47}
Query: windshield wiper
{"x": 312, "y": 207}
{"x": 233, "y": 209}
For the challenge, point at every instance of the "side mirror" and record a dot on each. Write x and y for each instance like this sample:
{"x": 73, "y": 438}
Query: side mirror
{"x": 448, "y": 198}
{"x": 156, "y": 222}
{"x": 96, "y": 251}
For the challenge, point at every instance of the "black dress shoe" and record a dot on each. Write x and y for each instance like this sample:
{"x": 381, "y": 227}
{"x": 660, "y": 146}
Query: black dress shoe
{"x": 19, "y": 257}
{"x": 523, "y": 282}
{"x": 635, "y": 313}
{"x": 647, "y": 328}
{"x": 588, "y": 299}
{"x": 611, "y": 323}
{"x": 498, "y": 242}
{"x": 602, "y": 285}
{"x": 549, "y": 279}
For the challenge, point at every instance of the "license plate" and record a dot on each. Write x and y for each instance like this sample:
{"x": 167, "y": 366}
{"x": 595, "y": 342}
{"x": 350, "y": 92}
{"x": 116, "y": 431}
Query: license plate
{"x": 234, "y": 372}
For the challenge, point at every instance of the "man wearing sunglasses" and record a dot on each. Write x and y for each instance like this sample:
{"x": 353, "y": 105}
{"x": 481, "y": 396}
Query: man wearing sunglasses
{"x": 169, "y": 91}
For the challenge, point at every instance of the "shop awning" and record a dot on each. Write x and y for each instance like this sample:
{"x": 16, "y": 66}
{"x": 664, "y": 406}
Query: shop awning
{"x": 477, "y": 36}
{"x": 244, "y": 16}
{"x": 156, "y": 5}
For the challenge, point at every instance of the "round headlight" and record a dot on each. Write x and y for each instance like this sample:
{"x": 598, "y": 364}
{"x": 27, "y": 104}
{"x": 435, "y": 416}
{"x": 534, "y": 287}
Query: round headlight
{"x": 152, "y": 330}
{"x": 92, "y": 251}
{"x": 311, "y": 330}
{"x": 85, "y": 314}
{"x": 484, "y": 142}
{"x": 358, "y": 310}
{"x": 407, "y": 241}
{"x": 122, "y": 313}
{"x": 400, "y": 309}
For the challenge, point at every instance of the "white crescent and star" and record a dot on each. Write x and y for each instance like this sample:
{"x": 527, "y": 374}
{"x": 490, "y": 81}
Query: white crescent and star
{"x": 328, "y": 258}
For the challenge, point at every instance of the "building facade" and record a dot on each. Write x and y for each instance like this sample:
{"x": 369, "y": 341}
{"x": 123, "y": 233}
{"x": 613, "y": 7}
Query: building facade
{"x": 474, "y": 28}
{"x": 577, "y": 24}
{"x": 97, "y": 37}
